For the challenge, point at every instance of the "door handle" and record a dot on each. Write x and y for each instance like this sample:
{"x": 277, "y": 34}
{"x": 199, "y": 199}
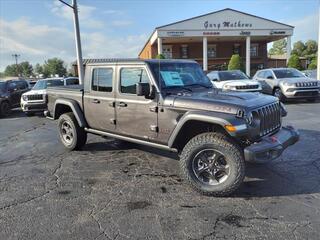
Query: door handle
{"x": 122, "y": 104}
{"x": 96, "y": 101}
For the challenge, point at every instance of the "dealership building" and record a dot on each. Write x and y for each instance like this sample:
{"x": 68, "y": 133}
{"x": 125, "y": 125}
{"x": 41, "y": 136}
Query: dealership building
{"x": 212, "y": 39}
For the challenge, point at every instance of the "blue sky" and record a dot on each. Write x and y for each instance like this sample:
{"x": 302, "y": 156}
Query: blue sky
{"x": 40, "y": 29}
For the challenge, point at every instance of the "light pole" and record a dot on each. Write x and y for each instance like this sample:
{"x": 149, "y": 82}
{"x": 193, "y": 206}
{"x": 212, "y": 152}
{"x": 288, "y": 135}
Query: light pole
{"x": 16, "y": 60}
{"x": 77, "y": 38}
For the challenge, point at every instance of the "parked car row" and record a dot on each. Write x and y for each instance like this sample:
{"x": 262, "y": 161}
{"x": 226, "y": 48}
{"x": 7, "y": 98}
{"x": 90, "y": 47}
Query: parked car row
{"x": 19, "y": 92}
{"x": 284, "y": 83}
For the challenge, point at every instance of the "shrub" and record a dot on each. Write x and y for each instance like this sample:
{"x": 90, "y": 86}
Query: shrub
{"x": 313, "y": 64}
{"x": 235, "y": 62}
{"x": 160, "y": 56}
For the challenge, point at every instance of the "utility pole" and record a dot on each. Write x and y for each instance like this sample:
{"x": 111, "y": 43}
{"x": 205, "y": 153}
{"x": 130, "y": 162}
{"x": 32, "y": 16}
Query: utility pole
{"x": 74, "y": 6}
{"x": 16, "y": 56}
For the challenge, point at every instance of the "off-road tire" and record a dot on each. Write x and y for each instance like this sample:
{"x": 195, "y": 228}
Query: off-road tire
{"x": 5, "y": 109}
{"x": 79, "y": 134}
{"x": 226, "y": 146}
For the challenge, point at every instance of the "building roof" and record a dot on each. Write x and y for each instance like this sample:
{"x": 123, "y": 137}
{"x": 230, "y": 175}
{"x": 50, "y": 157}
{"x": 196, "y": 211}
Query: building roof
{"x": 125, "y": 60}
{"x": 178, "y": 25}
{"x": 225, "y": 9}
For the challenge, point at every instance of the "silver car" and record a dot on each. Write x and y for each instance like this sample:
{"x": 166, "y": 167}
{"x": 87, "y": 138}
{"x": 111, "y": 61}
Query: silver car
{"x": 288, "y": 83}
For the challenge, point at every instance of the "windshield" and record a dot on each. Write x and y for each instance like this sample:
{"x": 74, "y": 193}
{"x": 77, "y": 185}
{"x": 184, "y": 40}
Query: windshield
{"x": 43, "y": 84}
{"x": 288, "y": 73}
{"x": 179, "y": 75}
{"x": 232, "y": 75}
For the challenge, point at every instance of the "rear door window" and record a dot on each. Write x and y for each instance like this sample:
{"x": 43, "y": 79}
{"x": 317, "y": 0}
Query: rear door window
{"x": 102, "y": 79}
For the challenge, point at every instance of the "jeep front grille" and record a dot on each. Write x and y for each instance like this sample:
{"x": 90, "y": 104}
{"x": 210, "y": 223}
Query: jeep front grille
{"x": 247, "y": 87}
{"x": 270, "y": 118}
{"x": 35, "y": 97}
{"x": 306, "y": 84}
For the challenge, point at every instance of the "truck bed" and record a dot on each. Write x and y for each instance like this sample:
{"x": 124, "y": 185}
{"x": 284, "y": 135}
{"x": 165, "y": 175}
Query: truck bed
{"x": 71, "y": 92}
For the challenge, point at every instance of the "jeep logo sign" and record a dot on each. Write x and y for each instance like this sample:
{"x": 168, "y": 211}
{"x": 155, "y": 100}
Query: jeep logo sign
{"x": 236, "y": 24}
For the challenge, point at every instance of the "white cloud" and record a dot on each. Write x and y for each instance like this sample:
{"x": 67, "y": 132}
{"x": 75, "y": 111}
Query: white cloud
{"x": 121, "y": 23}
{"x": 305, "y": 28}
{"x": 112, "y": 12}
{"x": 36, "y": 43}
{"x": 86, "y": 14}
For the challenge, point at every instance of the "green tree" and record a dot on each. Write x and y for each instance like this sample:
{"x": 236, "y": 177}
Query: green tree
{"x": 298, "y": 49}
{"x": 38, "y": 69}
{"x": 11, "y": 70}
{"x": 54, "y": 66}
{"x": 235, "y": 62}
{"x": 313, "y": 64}
{"x": 294, "y": 62}
{"x": 25, "y": 69}
{"x": 311, "y": 49}
{"x": 278, "y": 47}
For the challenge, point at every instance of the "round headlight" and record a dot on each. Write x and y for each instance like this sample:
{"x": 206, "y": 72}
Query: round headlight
{"x": 25, "y": 97}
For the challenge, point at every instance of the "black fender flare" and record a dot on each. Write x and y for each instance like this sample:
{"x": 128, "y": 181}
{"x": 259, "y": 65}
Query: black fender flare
{"x": 75, "y": 109}
{"x": 198, "y": 116}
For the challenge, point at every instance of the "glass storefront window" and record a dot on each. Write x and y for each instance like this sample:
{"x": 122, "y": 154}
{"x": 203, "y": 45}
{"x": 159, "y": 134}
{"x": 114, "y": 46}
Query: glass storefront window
{"x": 212, "y": 51}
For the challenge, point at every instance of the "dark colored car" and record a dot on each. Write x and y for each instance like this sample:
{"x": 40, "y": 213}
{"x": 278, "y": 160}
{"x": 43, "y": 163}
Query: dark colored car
{"x": 172, "y": 105}
{"x": 10, "y": 94}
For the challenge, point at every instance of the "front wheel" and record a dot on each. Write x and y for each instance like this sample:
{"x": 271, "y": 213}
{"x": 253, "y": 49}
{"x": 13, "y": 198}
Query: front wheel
{"x": 71, "y": 134}
{"x": 4, "y": 109}
{"x": 212, "y": 164}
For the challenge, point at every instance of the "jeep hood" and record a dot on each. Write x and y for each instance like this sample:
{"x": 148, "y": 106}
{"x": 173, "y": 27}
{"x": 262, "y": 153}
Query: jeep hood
{"x": 221, "y": 101}
{"x": 296, "y": 80}
{"x": 240, "y": 82}
{"x": 33, "y": 92}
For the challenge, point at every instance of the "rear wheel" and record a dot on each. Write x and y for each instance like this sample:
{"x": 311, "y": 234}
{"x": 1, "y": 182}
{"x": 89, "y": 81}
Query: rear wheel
{"x": 212, "y": 164}
{"x": 4, "y": 109}
{"x": 71, "y": 134}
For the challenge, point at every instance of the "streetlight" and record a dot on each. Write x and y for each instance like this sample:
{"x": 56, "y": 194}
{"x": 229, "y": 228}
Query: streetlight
{"x": 16, "y": 56}
{"x": 77, "y": 37}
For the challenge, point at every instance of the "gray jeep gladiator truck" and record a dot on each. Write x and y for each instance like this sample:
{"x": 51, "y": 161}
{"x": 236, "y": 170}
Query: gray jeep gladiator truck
{"x": 172, "y": 105}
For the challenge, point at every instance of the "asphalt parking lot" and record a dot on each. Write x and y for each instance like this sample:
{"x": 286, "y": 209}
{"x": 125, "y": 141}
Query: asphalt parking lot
{"x": 112, "y": 190}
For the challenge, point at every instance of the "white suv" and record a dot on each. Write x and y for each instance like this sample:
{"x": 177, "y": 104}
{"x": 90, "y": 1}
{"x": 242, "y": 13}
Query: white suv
{"x": 233, "y": 80}
{"x": 36, "y": 99}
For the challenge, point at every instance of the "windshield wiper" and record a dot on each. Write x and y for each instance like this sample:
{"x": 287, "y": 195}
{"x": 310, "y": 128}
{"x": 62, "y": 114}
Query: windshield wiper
{"x": 178, "y": 88}
{"x": 198, "y": 84}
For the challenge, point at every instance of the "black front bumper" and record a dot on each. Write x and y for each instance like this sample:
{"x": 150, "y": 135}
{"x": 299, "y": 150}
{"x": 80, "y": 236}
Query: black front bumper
{"x": 34, "y": 107}
{"x": 271, "y": 147}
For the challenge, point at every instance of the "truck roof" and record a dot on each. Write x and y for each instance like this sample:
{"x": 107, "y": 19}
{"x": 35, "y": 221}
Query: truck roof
{"x": 95, "y": 61}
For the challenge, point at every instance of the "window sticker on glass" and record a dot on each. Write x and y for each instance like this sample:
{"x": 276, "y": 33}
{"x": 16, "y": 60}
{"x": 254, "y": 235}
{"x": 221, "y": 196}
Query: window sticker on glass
{"x": 171, "y": 78}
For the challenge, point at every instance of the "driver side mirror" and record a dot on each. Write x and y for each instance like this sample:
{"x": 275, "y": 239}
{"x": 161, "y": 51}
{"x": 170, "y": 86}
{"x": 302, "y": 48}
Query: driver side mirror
{"x": 144, "y": 89}
{"x": 269, "y": 77}
{"x": 215, "y": 79}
